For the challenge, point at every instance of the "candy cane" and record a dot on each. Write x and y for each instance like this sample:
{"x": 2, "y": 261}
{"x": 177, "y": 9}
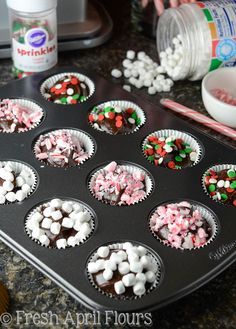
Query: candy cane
{"x": 219, "y": 127}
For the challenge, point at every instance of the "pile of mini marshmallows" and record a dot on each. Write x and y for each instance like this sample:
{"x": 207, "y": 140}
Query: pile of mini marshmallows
{"x": 141, "y": 71}
{"x": 133, "y": 264}
{"x": 15, "y": 186}
{"x": 51, "y": 219}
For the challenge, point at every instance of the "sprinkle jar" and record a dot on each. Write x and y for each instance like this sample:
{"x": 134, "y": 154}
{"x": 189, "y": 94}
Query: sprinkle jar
{"x": 196, "y": 38}
{"x": 33, "y": 26}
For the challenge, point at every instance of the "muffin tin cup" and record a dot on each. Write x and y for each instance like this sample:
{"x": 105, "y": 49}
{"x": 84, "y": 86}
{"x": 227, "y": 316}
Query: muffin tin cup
{"x": 187, "y": 138}
{"x": 206, "y": 213}
{"x": 217, "y": 168}
{"x": 48, "y": 83}
{"x": 17, "y": 167}
{"x": 37, "y": 208}
{"x": 83, "y": 138}
{"x": 119, "y": 245}
{"x": 31, "y": 106}
{"x": 131, "y": 168}
{"x": 124, "y": 105}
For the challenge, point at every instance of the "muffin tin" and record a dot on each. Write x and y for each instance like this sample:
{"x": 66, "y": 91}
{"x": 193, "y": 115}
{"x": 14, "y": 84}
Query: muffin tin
{"x": 181, "y": 271}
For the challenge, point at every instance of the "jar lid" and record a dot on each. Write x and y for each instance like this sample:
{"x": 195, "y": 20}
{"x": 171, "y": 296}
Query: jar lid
{"x": 31, "y": 6}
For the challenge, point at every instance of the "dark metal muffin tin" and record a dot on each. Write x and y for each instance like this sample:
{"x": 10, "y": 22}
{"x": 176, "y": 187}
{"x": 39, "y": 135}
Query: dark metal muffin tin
{"x": 182, "y": 271}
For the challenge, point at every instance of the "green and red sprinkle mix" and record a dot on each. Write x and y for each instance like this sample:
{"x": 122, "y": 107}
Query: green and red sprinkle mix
{"x": 170, "y": 152}
{"x": 114, "y": 119}
{"x": 221, "y": 185}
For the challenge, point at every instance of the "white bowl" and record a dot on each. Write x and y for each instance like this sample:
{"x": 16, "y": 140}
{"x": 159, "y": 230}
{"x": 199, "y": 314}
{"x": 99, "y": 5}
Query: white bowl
{"x": 223, "y": 78}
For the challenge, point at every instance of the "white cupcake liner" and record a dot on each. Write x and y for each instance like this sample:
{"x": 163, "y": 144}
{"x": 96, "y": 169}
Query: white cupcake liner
{"x": 124, "y": 105}
{"x": 17, "y": 167}
{"x": 131, "y": 168}
{"x": 83, "y": 137}
{"x": 48, "y": 83}
{"x": 119, "y": 245}
{"x": 192, "y": 141}
{"x": 206, "y": 213}
{"x": 31, "y": 106}
{"x": 217, "y": 168}
{"x": 38, "y": 207}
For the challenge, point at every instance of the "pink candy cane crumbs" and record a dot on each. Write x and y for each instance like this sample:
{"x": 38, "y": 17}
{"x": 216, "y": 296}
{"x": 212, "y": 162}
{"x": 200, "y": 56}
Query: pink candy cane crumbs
{"x": 223, "y": 96}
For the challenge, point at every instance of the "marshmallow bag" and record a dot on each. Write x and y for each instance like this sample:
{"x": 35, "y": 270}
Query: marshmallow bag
{"x": 177, "y": 272}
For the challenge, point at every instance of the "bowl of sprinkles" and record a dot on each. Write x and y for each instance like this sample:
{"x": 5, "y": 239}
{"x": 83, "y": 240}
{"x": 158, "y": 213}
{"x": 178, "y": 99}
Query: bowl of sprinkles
{"x": 172, "y": 149}
{"x": 67, "y": 88}
{"x": 219, "y": 182}
{"x": 117, "y": 117}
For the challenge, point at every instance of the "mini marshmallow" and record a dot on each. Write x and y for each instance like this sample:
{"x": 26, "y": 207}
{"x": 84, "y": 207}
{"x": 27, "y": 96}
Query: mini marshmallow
{"x": 67, "y": 207}
{"x": 55, "y": 228}
{"x": 61, "y": 243}
{"x": 2, "y": 199}
{"x": 139, "y": 288}
{"x": 92, "y": 267}
{"x": 150, "y": 276}
{"x": 85, "y": 229}
{"x": 116, "y": 258}
{"x": 26, "y": 188}
{"x": 2, "y": 191}
{"x": 56, "y": 215}
{"x": 107, "y": 274}
{"x": 111, "y": 265}
{"x": 127, "y": 245}
{"x": 56, "y": 203}
{"x": 136, "y": 267}
{"x": 124, "y": 268}
{"x": 20, "y": 195}
{"x": 48, "y": 211}
{"x": 72, "y": 241}
{"x": 103, "y": 252}
{"x": 144, "y": 260}
{"x": 141, "y": 277}
{"x": 129, "y": 280}
{"x": 8, "y": 186}
{"x": 46, "y": 223}
{"x": 100, "y": 264}
{"x": 116, "y": 73}
{"x": 119, "y": 287}
{"x": 43, "y": 239}
{"x": 127, "y": 88}
{"x": 32, "y": 224}
{"x": 123, "y": 254}
{"x": 130, "y": 54}
{"x": 141, "y": 251}
{"x": 67, "y": 222}
{"x": 10, "y": 196}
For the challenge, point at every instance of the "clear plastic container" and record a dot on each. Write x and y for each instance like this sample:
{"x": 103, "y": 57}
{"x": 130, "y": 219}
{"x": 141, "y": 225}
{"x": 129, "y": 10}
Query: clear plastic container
{"x": 208, "y": 36}
{"x": 33, "y": 25}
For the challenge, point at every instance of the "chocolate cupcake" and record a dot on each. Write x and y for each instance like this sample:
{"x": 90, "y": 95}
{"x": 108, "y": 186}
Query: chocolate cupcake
{"x": 67, "y": 88}
{"x": 124, "y": 270}
{"x": 64, "y": 148}
{"x": 172, "y": 149}
{"x": 183, "y": 225}
{"x": 60, "y": 223}
{"x": 117, "y": 117}
{"x": 19, "y": 115}
{"x": 17, "y": 181}
{"x": 219, "y": 183}
{"x": 118, "y": 185}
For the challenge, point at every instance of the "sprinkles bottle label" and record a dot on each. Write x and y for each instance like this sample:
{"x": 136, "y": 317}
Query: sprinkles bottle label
{"x": 34, "y": 39}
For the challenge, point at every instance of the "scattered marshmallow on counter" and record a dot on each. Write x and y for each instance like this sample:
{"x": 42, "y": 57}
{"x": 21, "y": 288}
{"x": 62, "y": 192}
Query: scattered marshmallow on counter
{"x": 123, "y": 269}
{"x": 60, "y": 224}
{"x": 15, "y": 185}
{"x": 141, "y": 71}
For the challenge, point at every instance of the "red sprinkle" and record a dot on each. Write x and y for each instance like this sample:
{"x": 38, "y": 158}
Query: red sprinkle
{"x": 73, "y": 101}
{"x": 234, "y": 203}
{"x": 74, "y": 81}
{"x": 111, "y": 115}
{"x": 129, "y": 110}
{"x": 230, "y": 190}
{"x": 100, "y": 117}
{"x": 171, "y": 164}
{"x": 119, "y": 123}
{"x": 90, "y": 117}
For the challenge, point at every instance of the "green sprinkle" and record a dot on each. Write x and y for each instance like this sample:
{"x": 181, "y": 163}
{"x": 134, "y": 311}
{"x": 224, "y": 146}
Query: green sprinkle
{"x": 178, "y": 158}
{"x": 212, "y": 188}
{"x": 186, "y": 144}
{"x": 138, "y": 121}
{"x": 188, "y": 150}
{"x": 63, "y": 100}
{"x": 157, "y": 147}
{"x": 170, "y": 143}
{"x": 108, "y": 109}
{"x": 151, "y": 158}
{"x": 21, "y": 40}
{"x": 178, "y": 167}
{"x": 82, "y": 98}
{"x": 233, "y": 185}
{"x": 134, "y": 115}
{"x": 76, "y": 96}
{"x": 224, "y": 197}
{"x": 231, "y": 173}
